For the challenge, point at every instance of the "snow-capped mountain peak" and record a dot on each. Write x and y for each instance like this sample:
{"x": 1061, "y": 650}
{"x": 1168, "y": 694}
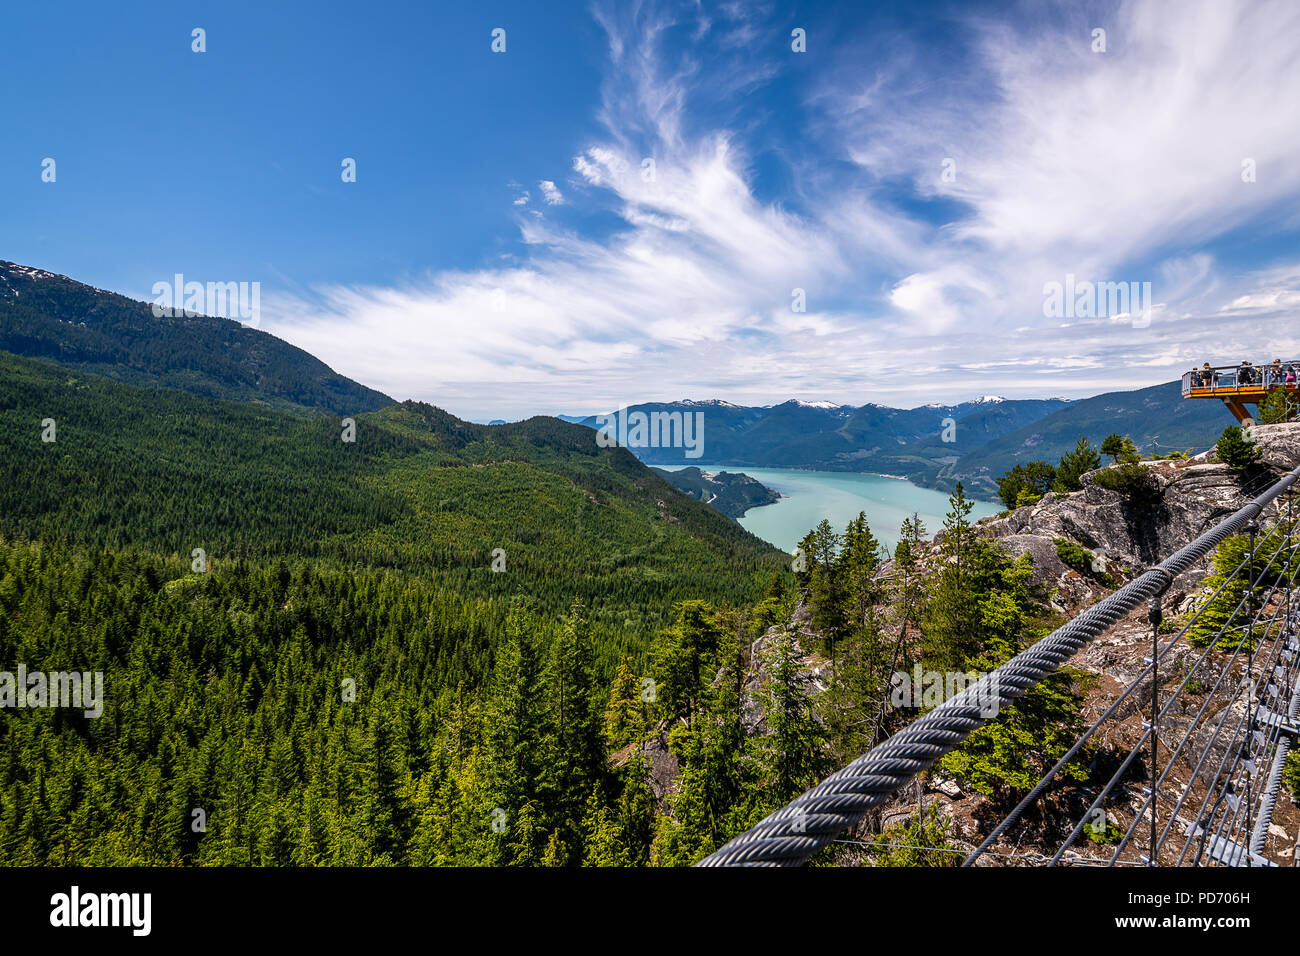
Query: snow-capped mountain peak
{"x": 709, "y": 402}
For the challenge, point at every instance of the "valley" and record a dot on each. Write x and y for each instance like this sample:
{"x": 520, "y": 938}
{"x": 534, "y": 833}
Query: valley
{"x": 808, "y": 496}
{"x": 933, "y": 446}
{"x": 409, "y": 639}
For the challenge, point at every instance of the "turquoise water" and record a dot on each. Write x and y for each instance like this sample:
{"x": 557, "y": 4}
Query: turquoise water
{"x": 838, "y": 496}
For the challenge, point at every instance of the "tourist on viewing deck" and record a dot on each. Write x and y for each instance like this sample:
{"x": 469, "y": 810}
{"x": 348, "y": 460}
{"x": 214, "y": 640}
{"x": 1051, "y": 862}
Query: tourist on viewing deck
{"x": 1275, "y": 372}
{"x": 1245, "y": 374}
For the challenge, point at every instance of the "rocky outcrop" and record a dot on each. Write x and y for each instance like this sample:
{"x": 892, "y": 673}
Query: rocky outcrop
{"x": 1181, "y": 500}
{"x": 662, "y": 763}
{"x": 1185, "y": 499}
{"x": 814, "y": 674}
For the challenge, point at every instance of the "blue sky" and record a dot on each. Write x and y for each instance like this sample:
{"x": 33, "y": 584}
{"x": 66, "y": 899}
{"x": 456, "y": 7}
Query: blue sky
{"x": 503, "y": 252}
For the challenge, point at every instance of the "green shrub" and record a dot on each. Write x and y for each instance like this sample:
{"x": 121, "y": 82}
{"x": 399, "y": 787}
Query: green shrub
{"x": 1103, "y": 834}
{"x": 1195, "y": 681}
{"x": 1131, "y": 480}
{"x": 1073, "y": 555}
{"x": 1234, "y": 450}
{"x": 1082, "y": 560}
{"x": 917, "y": 842}
{"x": 1291, "y": 774}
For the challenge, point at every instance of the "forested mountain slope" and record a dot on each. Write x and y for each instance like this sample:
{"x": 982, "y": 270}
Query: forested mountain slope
{"x": 342, "y": 676}
{"x": 419, "y": 490}
{"x": 729, "y": 493}
{"x": 874, "y": 438}
{"x": 441, "y": 643}
{"x": 51, "y": 316}
{"x": 1156, "y": 418}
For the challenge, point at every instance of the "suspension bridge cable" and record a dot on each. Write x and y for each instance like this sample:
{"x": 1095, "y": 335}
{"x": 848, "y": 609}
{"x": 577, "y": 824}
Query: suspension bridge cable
{"x": 813, "y": 819}
{"x": 1046, "y": 779}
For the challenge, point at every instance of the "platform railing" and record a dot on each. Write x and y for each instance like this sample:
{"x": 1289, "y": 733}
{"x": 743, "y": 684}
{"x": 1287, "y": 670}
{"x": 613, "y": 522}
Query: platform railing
{"x": 1219, "y": 379}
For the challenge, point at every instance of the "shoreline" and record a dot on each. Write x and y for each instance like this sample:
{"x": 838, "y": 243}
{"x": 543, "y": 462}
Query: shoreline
{"x": 740, "y": 469}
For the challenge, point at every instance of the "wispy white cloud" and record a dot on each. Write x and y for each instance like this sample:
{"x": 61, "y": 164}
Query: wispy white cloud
{"x": 550, "y": 193}
{"x": 1124, "y": 165}
{"x": 1107, "y": 165}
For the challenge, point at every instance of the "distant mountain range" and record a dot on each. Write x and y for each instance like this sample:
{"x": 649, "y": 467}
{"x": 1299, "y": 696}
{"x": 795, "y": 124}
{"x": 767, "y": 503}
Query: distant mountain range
{"x": 934, "y": 445}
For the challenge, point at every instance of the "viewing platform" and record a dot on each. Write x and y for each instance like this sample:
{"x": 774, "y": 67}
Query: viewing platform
{"x": 1240, "y": 385}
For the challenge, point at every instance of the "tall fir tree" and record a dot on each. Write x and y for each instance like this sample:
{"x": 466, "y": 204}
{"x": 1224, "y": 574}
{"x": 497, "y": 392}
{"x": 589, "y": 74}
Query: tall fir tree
{"x": 575, "y": 763}
{"x": 792, "y": 749}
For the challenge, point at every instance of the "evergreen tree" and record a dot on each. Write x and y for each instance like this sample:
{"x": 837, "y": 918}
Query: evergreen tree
{"x": 860, "y": 563}
{"x": 1238, "y": 583}
{"x": 717, "y": 794}
{"x": 685, "y": 656}
{"x": 1007, "y": 755}
{"x": 525, "y": 848}
{"x": 792, "y": 748}
{"x": 1025, "y": 484}
{"x": 575, "y": 765}
{"x": 805, "y": 559}
{"x": 910, "y": 536}
{"x": 771, "y": 607}
{"x": 1236, "y": 451}
{"x": 383, "y": 814}
{"x": 556, "y": 853}
{"x": 636, "y": 810}
{"x": 1280, "y": 406}
{"x": 1120, "y": 449}
{"x": 951, "y": 631}
{"x": 826, "y": 586}
{"x": 518, "y": 728}
{"x": 853, "y": 704}
{"x": 624, "y": 712}
{"x": 603, "y": 838}
{"x": 1074, "y": 464}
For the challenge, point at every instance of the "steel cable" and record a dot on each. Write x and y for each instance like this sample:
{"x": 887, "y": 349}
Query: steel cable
{"x": 813, "y": 819}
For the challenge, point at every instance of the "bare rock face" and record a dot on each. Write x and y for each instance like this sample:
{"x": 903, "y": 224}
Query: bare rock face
{"x": 662, "y": 763}
{"x": 814, "y": 674}
{"x": 1042, "y": 552}
{"x": 1280, "y": 445}
{"x": 1186, "y": 499}
{"x": 1185, "y": 502}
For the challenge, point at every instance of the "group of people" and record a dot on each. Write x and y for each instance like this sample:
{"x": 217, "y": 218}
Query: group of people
{"x": 1247, "y": 374}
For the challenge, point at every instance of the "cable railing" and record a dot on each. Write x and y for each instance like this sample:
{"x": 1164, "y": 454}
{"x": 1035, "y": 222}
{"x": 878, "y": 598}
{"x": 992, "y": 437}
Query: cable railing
{"x": 819, "y": 816}
{"x": 1152, "y": 668}
{"x": 1239, "y": 693}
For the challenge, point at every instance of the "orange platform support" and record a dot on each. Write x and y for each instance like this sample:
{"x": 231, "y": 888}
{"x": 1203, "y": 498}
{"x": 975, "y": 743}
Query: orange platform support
{"x": 1238, "y": 386}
